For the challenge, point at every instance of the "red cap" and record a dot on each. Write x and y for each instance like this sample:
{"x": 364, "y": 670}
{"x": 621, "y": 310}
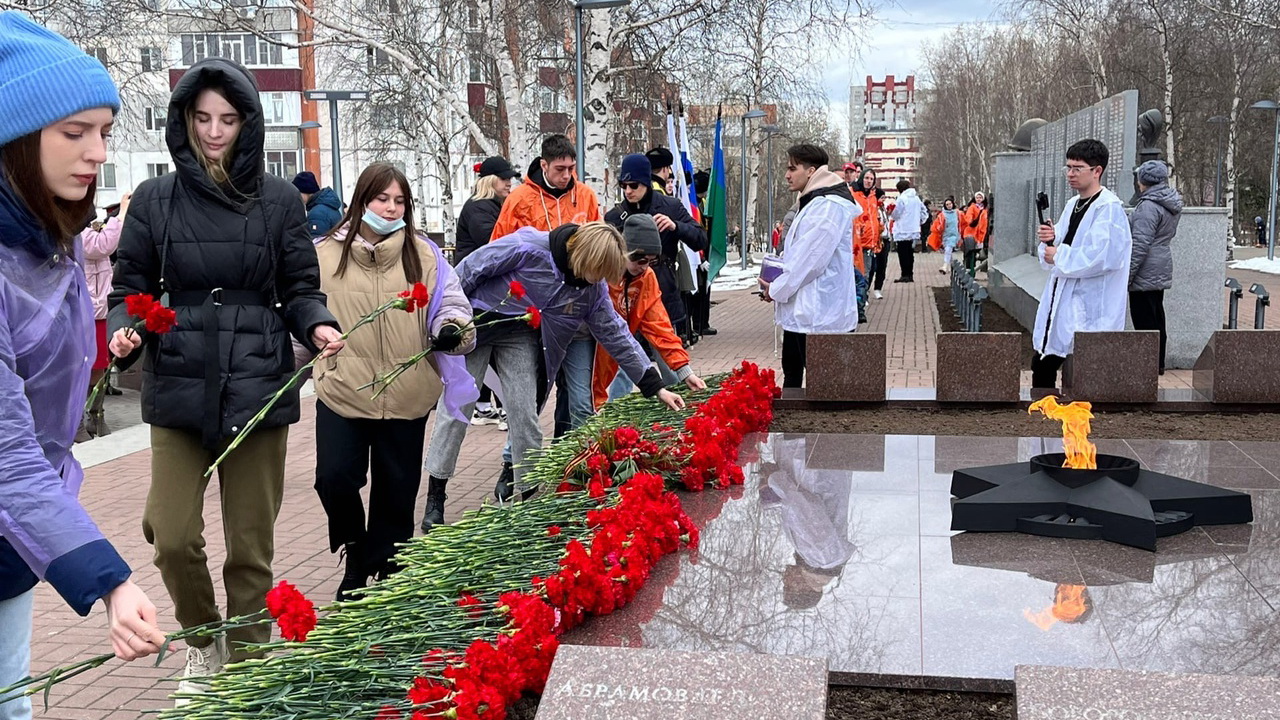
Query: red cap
{"x": 852, "y": 166}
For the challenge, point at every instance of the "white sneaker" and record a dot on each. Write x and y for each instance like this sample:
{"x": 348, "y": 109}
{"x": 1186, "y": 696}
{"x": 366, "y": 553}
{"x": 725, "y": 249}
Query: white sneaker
{"x": 202, "y": 663}
{"x": 876, "y": 294}
{"x": 488, "y": 416}
{"x": 502, "y": 420}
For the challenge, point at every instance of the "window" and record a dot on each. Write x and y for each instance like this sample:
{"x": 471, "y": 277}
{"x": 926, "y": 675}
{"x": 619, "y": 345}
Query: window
{"x": 282, "y": 163}
{"x": 107, "y": 176}
{"x": 155, "y": 118}
{"x": 902, "y": 162}
{"x": 550, "y": 100}
{"x": 900, "y": 97}
{"x": 379, "y": 61}
{"x": 152, "y": 59}
{"x": 98, "y": 52}
{"x": 877, "y": 97}
{"x": 245, "y": 48}
{"x": 155, "y": 170}
{"x": 273, "y": 108}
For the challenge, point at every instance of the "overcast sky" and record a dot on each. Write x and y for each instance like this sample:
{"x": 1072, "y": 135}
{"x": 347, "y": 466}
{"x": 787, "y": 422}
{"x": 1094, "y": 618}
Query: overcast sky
{"x": 895, "y": 41}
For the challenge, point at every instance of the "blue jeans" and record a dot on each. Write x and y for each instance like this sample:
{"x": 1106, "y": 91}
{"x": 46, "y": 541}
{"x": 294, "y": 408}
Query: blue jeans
{"x": 573, "y": 392}
{"x": 15, "y": 651}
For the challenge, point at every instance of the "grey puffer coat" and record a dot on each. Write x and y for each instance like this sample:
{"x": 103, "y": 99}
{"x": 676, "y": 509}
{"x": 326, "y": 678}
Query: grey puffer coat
{"x": 1154, "y": 223}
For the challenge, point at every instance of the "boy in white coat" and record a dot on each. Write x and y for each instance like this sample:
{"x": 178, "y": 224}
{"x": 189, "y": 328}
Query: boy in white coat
{"x": 816, "y": 291}
{"x": 1087, "y": 256}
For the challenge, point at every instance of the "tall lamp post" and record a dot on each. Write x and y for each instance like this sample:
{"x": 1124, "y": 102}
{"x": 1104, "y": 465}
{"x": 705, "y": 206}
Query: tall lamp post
{"x": 1274, "y": 107}
{"x": 579, "y": 7}
{"x": 1217, "y": 182}
{"x": 769, "y": 132}
{"x": 742, "y": 228}
{"x": 334, "y": 97}
{"x": 302, "y": 143}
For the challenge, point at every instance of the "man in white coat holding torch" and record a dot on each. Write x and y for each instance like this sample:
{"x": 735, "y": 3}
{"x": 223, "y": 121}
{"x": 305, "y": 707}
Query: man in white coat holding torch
{"x": 1087, "y": 256}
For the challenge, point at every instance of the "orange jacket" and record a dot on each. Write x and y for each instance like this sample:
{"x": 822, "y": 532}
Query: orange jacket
{"x": 866, "y": 227}
{"x": 968, "y": 229}
{"x": 643, "y": 310}
{"x": 530, "y": 205}
{"x": 935, "y": 231}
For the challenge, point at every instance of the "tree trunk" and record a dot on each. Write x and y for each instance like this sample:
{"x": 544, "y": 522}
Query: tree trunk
{"x": 597, "y": 44}
{"x": 1229, "y": 162}
{"x": 749, "y": 233}
{"x": 514, "y": 80}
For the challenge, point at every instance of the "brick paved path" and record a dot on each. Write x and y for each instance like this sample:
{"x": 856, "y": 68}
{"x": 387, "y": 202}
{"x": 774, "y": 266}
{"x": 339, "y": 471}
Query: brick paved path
{"x": 115, "y": 491}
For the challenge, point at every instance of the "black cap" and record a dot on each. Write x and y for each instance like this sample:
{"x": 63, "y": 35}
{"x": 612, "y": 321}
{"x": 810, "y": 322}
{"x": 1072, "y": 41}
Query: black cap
{"x": 701, "y": 181}
{"x": 496, "y": 166}
{"x": 660, "y": 157}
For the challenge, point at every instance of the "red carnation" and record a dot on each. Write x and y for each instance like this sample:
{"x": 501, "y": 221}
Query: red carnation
{"x": 553, "y": 531}
{"x": 534, "y": 317}
{"x": 161, "y": 319}
{"x": 476, "y": 167}
{"x": 138, "y": 305}
{"x": 294, "y": 613}
{"x": 420, "y": 295}
{"x": 517, "y": 290}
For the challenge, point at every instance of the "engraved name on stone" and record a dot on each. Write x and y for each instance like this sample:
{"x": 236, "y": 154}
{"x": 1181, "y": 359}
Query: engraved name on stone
{"x": 626, "y": 692}
{"x": 1081, "y": 712}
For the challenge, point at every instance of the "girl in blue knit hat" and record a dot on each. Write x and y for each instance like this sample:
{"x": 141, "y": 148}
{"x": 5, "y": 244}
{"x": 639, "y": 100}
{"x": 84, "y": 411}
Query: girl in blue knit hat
{"x": 59, "y": 105}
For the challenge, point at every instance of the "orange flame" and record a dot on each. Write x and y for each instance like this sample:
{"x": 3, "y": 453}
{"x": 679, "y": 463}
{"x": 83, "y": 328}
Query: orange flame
{"x": 1070, "y": 603}
{"x": 1081, "y": 454}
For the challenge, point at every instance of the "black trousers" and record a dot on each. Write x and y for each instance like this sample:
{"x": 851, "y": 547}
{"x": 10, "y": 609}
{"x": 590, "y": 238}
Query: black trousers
{"x": 793, "y": 359}
{"x": 1146, "y": 307}
{"x": 701, "y": 312}
{"x": 881, "y": 267}
{"x": 971, "y": 262}
{"x": 1044, "y": 370}
{"x": 348, "y": 452}
{"x": 906, "y": 258}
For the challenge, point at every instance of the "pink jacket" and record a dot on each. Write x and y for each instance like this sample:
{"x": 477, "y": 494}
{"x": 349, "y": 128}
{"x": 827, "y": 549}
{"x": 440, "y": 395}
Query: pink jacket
{"x": 98, "y": 247}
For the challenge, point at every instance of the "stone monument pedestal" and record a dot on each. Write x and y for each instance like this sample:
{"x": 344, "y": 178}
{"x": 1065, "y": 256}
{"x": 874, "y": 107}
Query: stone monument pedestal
{"x": 1240, "y": 366}
{"x": 847, "y": 367}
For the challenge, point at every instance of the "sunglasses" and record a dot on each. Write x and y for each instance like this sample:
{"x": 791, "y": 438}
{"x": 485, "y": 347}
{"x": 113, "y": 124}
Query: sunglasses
{"x": 632, "y": 185}
{"x": 642, "y": 259}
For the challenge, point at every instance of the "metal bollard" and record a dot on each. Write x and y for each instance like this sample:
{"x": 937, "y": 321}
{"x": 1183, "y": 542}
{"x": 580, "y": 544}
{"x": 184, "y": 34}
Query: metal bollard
{"x": 979, "y": 299}
{"x": 1233, "y": 303}
{"x": 1260, "y": 310}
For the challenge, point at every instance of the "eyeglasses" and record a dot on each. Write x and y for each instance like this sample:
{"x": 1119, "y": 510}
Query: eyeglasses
{"x": 1077, "y": 169}
{"x": 632, "y": 185}
{"x": 642, "y": 259}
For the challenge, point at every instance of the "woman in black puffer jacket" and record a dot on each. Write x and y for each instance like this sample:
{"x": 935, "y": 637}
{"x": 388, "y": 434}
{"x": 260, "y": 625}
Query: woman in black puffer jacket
{"x": 480, "y": 211}
{"x": 229, "y": 247}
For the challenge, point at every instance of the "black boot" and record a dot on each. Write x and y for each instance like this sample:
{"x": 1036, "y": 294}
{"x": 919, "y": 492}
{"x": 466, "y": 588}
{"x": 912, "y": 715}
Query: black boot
{"x": 435, "y": 504}
{"x": 708, "y": 330}
{"x": 356, "y": 575}
{"x": 506, "y": 485}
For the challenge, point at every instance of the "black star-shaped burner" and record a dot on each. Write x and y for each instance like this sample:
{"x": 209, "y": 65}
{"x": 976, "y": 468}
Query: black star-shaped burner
{"x": 1119, "y": 501}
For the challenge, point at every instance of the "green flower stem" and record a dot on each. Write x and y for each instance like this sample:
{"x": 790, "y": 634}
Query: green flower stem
{"x": 398, "y": 303}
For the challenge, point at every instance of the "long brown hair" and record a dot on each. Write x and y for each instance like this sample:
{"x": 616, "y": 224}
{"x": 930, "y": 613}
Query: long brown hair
{"x": 62, "y": 219}
{"x": 372, "y": 182}
{"x": 218, "y": 170}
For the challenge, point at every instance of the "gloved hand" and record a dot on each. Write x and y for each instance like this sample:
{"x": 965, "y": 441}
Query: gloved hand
{"x": 704, "y": 266}
{"x": 449, "y": 339}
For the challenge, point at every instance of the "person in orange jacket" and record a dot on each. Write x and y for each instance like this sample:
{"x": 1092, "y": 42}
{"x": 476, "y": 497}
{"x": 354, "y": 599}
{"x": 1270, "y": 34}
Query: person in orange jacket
{"x": 551, "y": 196}
{"x": 871, "y": 252}
{"x": 973, "y": 230}
{"x": 638, "y": 299}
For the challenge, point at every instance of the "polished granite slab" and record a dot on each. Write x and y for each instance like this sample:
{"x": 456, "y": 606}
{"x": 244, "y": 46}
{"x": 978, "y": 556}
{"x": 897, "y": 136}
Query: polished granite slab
{"x": 839, "y": 547}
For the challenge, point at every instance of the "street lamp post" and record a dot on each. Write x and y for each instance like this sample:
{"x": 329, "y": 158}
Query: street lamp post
{"x": 579, "y": 7}
{"x": 1274, "y": 107}
{"x": 334, "y": 97}
{"x": 302, "y": 143}
{"x": 769, "y": 132}
{"x": 742, "y": 228}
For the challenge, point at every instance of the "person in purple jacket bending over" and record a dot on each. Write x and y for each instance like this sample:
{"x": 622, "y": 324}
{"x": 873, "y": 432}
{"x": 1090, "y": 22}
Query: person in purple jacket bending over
{"x": 59, "y": 106}
{"x": 566, "y": 274}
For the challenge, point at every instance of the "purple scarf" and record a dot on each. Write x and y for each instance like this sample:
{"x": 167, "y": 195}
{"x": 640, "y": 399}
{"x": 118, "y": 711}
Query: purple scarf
{"x": 459, "y": 387}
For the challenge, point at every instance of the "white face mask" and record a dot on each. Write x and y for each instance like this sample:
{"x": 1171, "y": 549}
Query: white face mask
{"x": 380, "y": 225}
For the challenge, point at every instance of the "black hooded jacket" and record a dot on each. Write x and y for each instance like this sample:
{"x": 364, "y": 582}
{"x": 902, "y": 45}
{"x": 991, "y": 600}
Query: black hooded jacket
{"x": 249, "y": 242}
{"x": 475, "y": 226}
{"x": 687, "y": 231}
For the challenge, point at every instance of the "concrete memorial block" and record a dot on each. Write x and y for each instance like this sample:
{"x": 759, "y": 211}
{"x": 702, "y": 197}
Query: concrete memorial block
{"x": 846, "y": 367}
{"x": 1058, "y": 693}
{"x": 1122, "y": 367}
{"x": 609, "y": 683}
{"x": 978, "y": 367}
{"x": 1240, "y": 366}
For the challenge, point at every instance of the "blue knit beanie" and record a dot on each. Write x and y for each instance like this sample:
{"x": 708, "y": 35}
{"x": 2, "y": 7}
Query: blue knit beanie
{"x": 44, "y": 78}
{"x": 635, "y": 168}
